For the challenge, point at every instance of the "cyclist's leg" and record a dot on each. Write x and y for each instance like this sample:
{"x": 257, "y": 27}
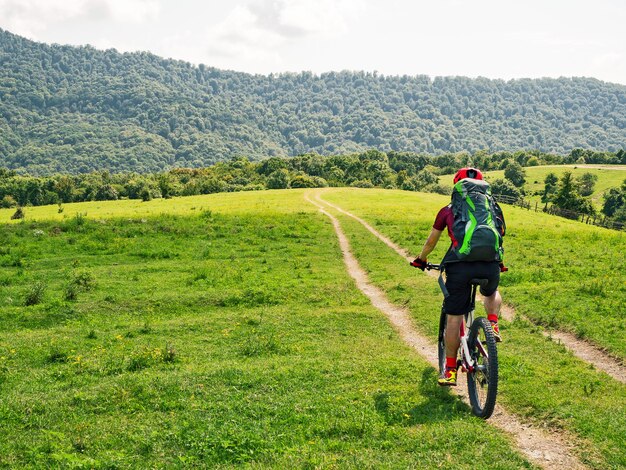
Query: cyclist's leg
{"x": 455, "y": 305}
{"x": 492, "y": 304}
{"x": 492, "y": 299}
{"x": 453, "y": 340}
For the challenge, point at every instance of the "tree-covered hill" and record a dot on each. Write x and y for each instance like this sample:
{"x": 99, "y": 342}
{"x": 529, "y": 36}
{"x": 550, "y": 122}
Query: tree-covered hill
{"x": 78, "y": 109}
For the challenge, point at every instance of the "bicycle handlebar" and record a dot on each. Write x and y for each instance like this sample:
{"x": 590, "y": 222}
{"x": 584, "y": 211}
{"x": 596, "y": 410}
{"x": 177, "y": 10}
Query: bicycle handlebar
{"x": 439, "y": 267}
{"x": 436, "y": 267}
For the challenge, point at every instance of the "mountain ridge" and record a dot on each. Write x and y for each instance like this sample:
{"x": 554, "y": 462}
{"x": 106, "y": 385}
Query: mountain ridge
{"x": 77, "y": 109}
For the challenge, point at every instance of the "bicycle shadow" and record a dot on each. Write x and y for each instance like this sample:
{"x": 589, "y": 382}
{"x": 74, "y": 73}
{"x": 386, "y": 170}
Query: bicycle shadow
{"x": 438, "y": 404}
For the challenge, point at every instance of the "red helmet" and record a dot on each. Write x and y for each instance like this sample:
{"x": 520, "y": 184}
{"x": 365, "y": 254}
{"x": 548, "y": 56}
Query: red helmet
{"x": 467, "y": 173}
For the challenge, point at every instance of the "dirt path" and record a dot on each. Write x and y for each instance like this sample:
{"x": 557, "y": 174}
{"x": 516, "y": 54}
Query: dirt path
{"x": 581, "y": 349}
{"x": 547, "y": 450}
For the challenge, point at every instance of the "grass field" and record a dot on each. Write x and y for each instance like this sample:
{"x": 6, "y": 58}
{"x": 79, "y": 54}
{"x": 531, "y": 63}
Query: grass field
{"x": 551, "y": 281}
{"x": 609, "y": 176}
{"x": 210, "y": 332}
{"x": 563, "y": 273}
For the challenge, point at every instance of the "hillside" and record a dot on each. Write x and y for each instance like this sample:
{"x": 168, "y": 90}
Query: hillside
{"x": 77, "y": 109}
{"x": 224, "y": 330}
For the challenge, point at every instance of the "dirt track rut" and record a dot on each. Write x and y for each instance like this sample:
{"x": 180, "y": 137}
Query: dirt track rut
{"x": 550, "y": 451}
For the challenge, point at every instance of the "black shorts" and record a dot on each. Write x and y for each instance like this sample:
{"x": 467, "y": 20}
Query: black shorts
{"x": 458, "y": 277}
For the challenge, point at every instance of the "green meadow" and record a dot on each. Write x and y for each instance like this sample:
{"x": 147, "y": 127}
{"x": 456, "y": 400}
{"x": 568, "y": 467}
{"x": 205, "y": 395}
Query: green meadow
{"x": 223, "y": 330}
{"x": 212, "y": 331}
{"x": 609, "y": 176}
{"x": 563, "y": 274}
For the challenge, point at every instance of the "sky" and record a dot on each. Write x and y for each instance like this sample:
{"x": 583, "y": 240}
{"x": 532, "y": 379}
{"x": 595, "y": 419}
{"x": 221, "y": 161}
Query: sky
{"x": 488, "y": 38}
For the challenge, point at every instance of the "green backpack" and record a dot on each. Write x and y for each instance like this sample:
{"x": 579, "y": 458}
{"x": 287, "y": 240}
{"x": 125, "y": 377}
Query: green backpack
{"x": 478, "y": 222}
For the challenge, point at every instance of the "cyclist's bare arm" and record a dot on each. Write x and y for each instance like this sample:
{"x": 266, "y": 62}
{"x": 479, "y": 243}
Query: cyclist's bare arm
{"x": 431, "y": 243}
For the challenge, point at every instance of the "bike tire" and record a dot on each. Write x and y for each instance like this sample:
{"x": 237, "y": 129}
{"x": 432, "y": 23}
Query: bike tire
{"x": 441, "y": 343}
{"x": 482, "y": 382}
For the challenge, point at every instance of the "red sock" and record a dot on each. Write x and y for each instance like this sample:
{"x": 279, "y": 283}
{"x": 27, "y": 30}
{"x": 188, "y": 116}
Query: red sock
{"x": 451, "y": 362}
{"x": 492, "y": 317}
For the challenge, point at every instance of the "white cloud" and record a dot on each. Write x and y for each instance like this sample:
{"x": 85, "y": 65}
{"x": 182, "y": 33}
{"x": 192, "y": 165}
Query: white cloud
{"x": 29, "y": 17}
{"x": 609, "y": 59}
{"x": 132, "y": 11}
{"x": 255, "y": 32}
{"x": 240, "y": 36}
{"x": 301, "y": 17}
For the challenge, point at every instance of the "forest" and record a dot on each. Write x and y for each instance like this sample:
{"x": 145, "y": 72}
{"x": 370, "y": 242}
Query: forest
{"x": 372, "y": 168}
{"x": 76, "y": 110}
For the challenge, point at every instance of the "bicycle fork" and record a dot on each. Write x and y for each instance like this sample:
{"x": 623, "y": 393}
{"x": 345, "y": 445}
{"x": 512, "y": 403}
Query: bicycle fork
{"x": 467, "y": 362}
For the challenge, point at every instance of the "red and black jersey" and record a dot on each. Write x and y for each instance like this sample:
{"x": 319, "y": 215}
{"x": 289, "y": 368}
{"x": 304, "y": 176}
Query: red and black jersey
{"x": 444, "y": 219}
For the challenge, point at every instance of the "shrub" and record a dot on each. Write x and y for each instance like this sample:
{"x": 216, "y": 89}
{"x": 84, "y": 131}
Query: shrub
{"x": 7, "y": 202}
{"x": 279, "y": 179}
{"x": 56, "y": 355}
{"x": 79, "y": 282}
{"x": 502, "y": 187}
{"x": 303, "y": 181}
{"x": 362, "y": 184}
{"x": 35, "y": 294}
{"x": 19, "y": 214}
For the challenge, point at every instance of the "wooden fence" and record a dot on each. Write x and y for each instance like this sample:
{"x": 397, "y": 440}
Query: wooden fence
{"x": 599, "y": 220}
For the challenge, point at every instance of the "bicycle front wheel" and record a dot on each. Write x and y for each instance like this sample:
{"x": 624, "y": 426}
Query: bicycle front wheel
{"x": 441, "y": 343}
{"x": 482, "y": 380}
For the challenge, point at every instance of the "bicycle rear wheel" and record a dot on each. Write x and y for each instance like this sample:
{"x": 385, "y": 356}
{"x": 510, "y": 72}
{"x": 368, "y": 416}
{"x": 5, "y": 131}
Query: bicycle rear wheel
{"x": 482, "y": 381}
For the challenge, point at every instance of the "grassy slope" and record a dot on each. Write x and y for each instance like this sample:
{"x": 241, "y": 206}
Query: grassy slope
{"x": 563, "y": 273}
{"x": 540, "y": 379}
{"x": 211, "y": 338}
{"x": 609, "y": 176}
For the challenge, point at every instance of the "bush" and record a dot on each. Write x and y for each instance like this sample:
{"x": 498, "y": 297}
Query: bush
{"x": 502, "y": 187}
{"x": 80, "y": 282}
{"x": 7, "y": 202}
{"x": 303, "y": 181}
{"x": 19, "y": 214}
{"x": 35, "y": 294}
{"x": 279, "y": 179}
{"x": 440, "y": 189}
{"x": 362, "y": 184}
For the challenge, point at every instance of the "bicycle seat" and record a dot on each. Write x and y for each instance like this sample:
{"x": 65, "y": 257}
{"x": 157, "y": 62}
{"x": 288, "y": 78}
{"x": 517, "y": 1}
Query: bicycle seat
{"x": 479, "y": 282}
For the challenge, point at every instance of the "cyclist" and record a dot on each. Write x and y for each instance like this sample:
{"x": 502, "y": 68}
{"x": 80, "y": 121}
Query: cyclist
{"x": 458, "y": 276}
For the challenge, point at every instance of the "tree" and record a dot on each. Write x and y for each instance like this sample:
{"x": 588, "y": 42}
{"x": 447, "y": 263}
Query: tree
{"x": 502, "y": 187}
{"x": 423, "y": 179}
{"x": 568, "y": 198}
{"x": 279, "y": 179}
{"x": 106, "y": 192}
{"x": 65, "y": 188}
{"x": 614, "y": 200}
{"x": 303, "y": 181}
{"x": 515, "y": 174}
{"x": 270, "y": 165}
{"x": 549, "y": 190}
{"x": 586, "y": 184}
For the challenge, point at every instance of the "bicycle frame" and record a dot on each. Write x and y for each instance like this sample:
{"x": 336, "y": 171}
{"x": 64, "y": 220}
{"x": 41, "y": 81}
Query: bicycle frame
{"x": 467, "y": 363}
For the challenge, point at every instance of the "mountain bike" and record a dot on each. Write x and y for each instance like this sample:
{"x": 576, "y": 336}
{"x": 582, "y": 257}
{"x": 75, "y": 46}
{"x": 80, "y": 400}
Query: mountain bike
{"x": 478, "y": 354}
